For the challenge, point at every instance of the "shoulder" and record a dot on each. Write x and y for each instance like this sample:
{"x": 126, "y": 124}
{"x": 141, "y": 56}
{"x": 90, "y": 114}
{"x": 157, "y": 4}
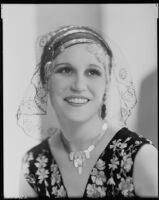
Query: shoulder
{"x": 127, "y": 142}
{"x": 125, "y": 132}
{"x": 133, "y": 139}
{"x": 37, "y": 152}
{"x": 38, "y": 148}
{"x": 146, "y": 171}
{"x": 145, "y": 162}
{"x": 145, "y": 167}
{"x": 35, "y": 159}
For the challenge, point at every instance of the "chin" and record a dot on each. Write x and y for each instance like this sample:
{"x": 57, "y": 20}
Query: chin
{"x": 79, "y": 117}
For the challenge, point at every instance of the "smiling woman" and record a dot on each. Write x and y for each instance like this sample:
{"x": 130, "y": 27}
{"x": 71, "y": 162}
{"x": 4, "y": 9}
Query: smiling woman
{"x": 92, "y": 153}
{"x": 76, "y": 87}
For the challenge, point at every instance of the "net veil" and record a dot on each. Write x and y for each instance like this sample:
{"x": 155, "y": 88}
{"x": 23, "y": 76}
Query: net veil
{"x": 35, "y": 114}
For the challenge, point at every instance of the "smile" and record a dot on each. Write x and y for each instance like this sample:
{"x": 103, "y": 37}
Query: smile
{"x": 76, "y": 100}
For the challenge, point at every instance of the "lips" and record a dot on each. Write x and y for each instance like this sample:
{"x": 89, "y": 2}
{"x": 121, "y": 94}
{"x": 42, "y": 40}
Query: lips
{"x": 77, "y": 100}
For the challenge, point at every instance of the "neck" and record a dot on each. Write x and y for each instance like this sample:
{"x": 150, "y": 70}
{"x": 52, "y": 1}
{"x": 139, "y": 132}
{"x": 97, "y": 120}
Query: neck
{"x": 80, "y": 136}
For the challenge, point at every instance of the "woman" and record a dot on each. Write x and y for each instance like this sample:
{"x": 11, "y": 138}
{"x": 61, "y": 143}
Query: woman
{"x": 90, "y": 152}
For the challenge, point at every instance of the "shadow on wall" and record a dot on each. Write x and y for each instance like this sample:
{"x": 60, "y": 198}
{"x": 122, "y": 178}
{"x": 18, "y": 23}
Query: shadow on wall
{"x": 147, "y": 111}
{"x": 48, "y": 18}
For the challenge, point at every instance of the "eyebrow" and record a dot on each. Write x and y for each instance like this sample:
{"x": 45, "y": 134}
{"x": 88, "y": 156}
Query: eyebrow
{"x": 59, "y": 64}
{"x": 90, "y": 65}
{"x": 96, "y": 66}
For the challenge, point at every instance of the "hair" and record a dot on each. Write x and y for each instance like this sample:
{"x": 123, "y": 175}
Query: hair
{"x": 66, "y": 34}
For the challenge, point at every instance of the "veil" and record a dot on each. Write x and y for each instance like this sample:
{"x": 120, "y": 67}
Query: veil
{"x": 37, "y": 117}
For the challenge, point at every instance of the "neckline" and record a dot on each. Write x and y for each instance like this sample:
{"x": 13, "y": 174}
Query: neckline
{"x": 99, "y": 157}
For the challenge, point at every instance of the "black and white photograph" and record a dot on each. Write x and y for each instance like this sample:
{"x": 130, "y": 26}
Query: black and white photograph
{"x": 80, "y": 100}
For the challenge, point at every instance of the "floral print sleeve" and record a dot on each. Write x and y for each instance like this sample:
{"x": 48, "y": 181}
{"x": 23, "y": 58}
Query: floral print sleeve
{"x": 113, "y": 173}
{"x": 42, "y": 173}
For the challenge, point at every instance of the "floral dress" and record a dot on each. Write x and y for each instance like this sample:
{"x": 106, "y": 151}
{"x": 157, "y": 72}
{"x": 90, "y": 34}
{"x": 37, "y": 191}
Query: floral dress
{"x": 112, "y": 174}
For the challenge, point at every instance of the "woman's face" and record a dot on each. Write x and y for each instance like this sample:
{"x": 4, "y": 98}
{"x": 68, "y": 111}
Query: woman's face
{"x": 77, "y": 84}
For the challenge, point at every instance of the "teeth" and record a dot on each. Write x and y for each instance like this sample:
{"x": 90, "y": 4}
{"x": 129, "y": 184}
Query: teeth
{"x": 77, "y": 100}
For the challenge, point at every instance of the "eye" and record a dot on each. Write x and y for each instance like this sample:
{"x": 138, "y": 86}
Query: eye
{"x": 94, "y": 72}
{"x": 64, "y": 70}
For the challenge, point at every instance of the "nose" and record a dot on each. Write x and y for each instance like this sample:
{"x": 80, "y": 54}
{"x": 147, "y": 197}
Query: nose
{"x": 78, "y": 84}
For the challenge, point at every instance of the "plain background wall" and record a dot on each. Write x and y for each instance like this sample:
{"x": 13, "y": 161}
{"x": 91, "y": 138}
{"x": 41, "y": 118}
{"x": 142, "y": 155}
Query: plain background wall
{"x": 132, "y": 27}
{"x": 67, "y": 14}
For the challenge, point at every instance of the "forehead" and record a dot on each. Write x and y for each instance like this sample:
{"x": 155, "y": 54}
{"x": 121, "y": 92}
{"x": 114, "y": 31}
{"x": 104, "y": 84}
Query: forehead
{"x": 79, "y": 53}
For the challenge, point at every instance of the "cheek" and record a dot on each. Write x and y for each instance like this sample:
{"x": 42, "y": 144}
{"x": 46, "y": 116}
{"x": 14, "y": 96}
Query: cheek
{"x": 98, "y": 88}
{"x": 57, "y": 86}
